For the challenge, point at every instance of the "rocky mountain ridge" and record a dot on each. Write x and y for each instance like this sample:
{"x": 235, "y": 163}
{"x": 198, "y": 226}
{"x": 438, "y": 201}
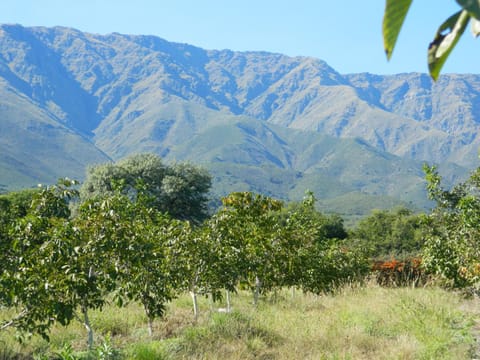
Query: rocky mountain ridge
{"x": 74, "y": 98}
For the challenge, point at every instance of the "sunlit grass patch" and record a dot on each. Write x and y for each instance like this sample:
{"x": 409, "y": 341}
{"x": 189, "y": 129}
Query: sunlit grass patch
{"x": 227, "y": 335}
{"x": 354, "y": 323}
{"x": 371, "y": 323}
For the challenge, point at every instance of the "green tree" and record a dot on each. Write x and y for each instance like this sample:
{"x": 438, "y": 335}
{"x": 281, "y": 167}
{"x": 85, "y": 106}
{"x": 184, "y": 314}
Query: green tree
{"x": 17, "y": 203}
{"x": 452, "y": 247}
{"x": 184, "y": 192}
{"x": 126, "y": 248}
{"x": 180, "y": 189}
{"x": 199, "y": 264}
{"x": 391, "y": 233}
{"x": 319, "y": 260}
{"x": 147, "y": 260}
{"x": 31, "y": 256}
{"x": 247, "y": 223}
{"x": 447, "y": 36}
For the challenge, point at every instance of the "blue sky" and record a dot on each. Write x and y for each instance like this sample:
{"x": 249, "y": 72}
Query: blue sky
{"x": 344, "y": 33}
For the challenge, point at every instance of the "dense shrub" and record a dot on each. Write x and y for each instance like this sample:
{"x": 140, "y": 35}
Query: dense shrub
{"x": 393, "y": 272}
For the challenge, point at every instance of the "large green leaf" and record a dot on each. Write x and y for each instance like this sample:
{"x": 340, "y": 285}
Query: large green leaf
{"x": 393, "y": 18}
{"x": 472, "y": 6}
{"x": 445, "y": 40}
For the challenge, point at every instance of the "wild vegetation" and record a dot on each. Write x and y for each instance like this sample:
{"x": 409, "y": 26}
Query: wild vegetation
{"x": 368, "y": 322}
{"x": 70, "y": 253}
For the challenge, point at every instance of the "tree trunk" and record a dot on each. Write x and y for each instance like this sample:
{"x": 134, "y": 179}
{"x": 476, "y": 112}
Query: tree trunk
{"x": 86, "y": 323}
{"x": 227, "y": 297}
{"x": 195, "y": 304}
{"x": 211, "y": 302}
{"x": 150, "y": 326}
{"x": 150, "y": 319}
{"x": 256, "y": 293}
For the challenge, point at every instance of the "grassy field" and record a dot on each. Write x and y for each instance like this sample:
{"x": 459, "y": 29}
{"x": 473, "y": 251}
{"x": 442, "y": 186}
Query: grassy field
{"x": 356, "y": 323}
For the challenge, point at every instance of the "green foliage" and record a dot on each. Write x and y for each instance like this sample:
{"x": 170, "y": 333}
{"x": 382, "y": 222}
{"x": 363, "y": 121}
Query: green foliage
{"x": 66, "y": 353}
{"x": 100, "y": 249}
{"x": 443, "y": 43}
{"x": 32, "y": 253}
{"x": 106, "y": 351}
{"x": 395, "y": 13}
{"x": 54, "y": 265}
{"x": 119, "y": 246}
{"x": 321, "y": 259}
{"x": 254, "y": 240}
{"x": 150, "y": 262}
{"x": 248, "y": 223}
{"x": 447, "y": 34}
{"x": 452, "y": 248}
{"x": 129, "y": 247}
{"x": 396, "y": 233}
{"x": 202, "y": 262}
{"x": 17, "y": 202}
{"x": 185, "y": 190}
{"x": 180, "y": 189}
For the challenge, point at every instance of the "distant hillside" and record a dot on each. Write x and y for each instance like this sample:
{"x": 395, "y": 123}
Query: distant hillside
{"x": 259, "y": 121}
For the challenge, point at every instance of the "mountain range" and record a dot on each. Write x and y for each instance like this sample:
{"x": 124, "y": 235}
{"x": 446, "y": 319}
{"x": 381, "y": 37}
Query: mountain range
{"x": 258, "y": 121}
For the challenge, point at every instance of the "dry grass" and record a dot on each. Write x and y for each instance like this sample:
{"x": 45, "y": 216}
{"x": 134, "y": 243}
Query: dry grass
{"x": 356, "y": 323}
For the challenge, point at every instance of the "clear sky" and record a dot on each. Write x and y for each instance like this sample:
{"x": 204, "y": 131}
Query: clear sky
{"x": 344, "y": 33}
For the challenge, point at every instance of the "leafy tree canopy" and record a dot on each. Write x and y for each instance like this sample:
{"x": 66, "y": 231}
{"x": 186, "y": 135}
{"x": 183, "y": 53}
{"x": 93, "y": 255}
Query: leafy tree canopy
{"x": 391, "y": 233}
{"x": 17, "y": 202}
{"x": 180, "y": 189}
{"x": 452, "y": 248}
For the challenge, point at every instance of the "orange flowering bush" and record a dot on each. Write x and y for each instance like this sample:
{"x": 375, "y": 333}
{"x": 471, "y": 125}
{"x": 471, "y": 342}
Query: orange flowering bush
{"x": 399, "y": 273}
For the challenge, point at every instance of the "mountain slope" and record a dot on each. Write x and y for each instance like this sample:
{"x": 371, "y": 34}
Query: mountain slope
{"x": 260, "y": 121}
{"x": 34, "y": 148}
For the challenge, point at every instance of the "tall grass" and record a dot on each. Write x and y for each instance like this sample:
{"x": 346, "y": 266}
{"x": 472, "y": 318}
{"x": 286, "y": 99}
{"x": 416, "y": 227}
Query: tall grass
{"x": 355, "y": 323}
